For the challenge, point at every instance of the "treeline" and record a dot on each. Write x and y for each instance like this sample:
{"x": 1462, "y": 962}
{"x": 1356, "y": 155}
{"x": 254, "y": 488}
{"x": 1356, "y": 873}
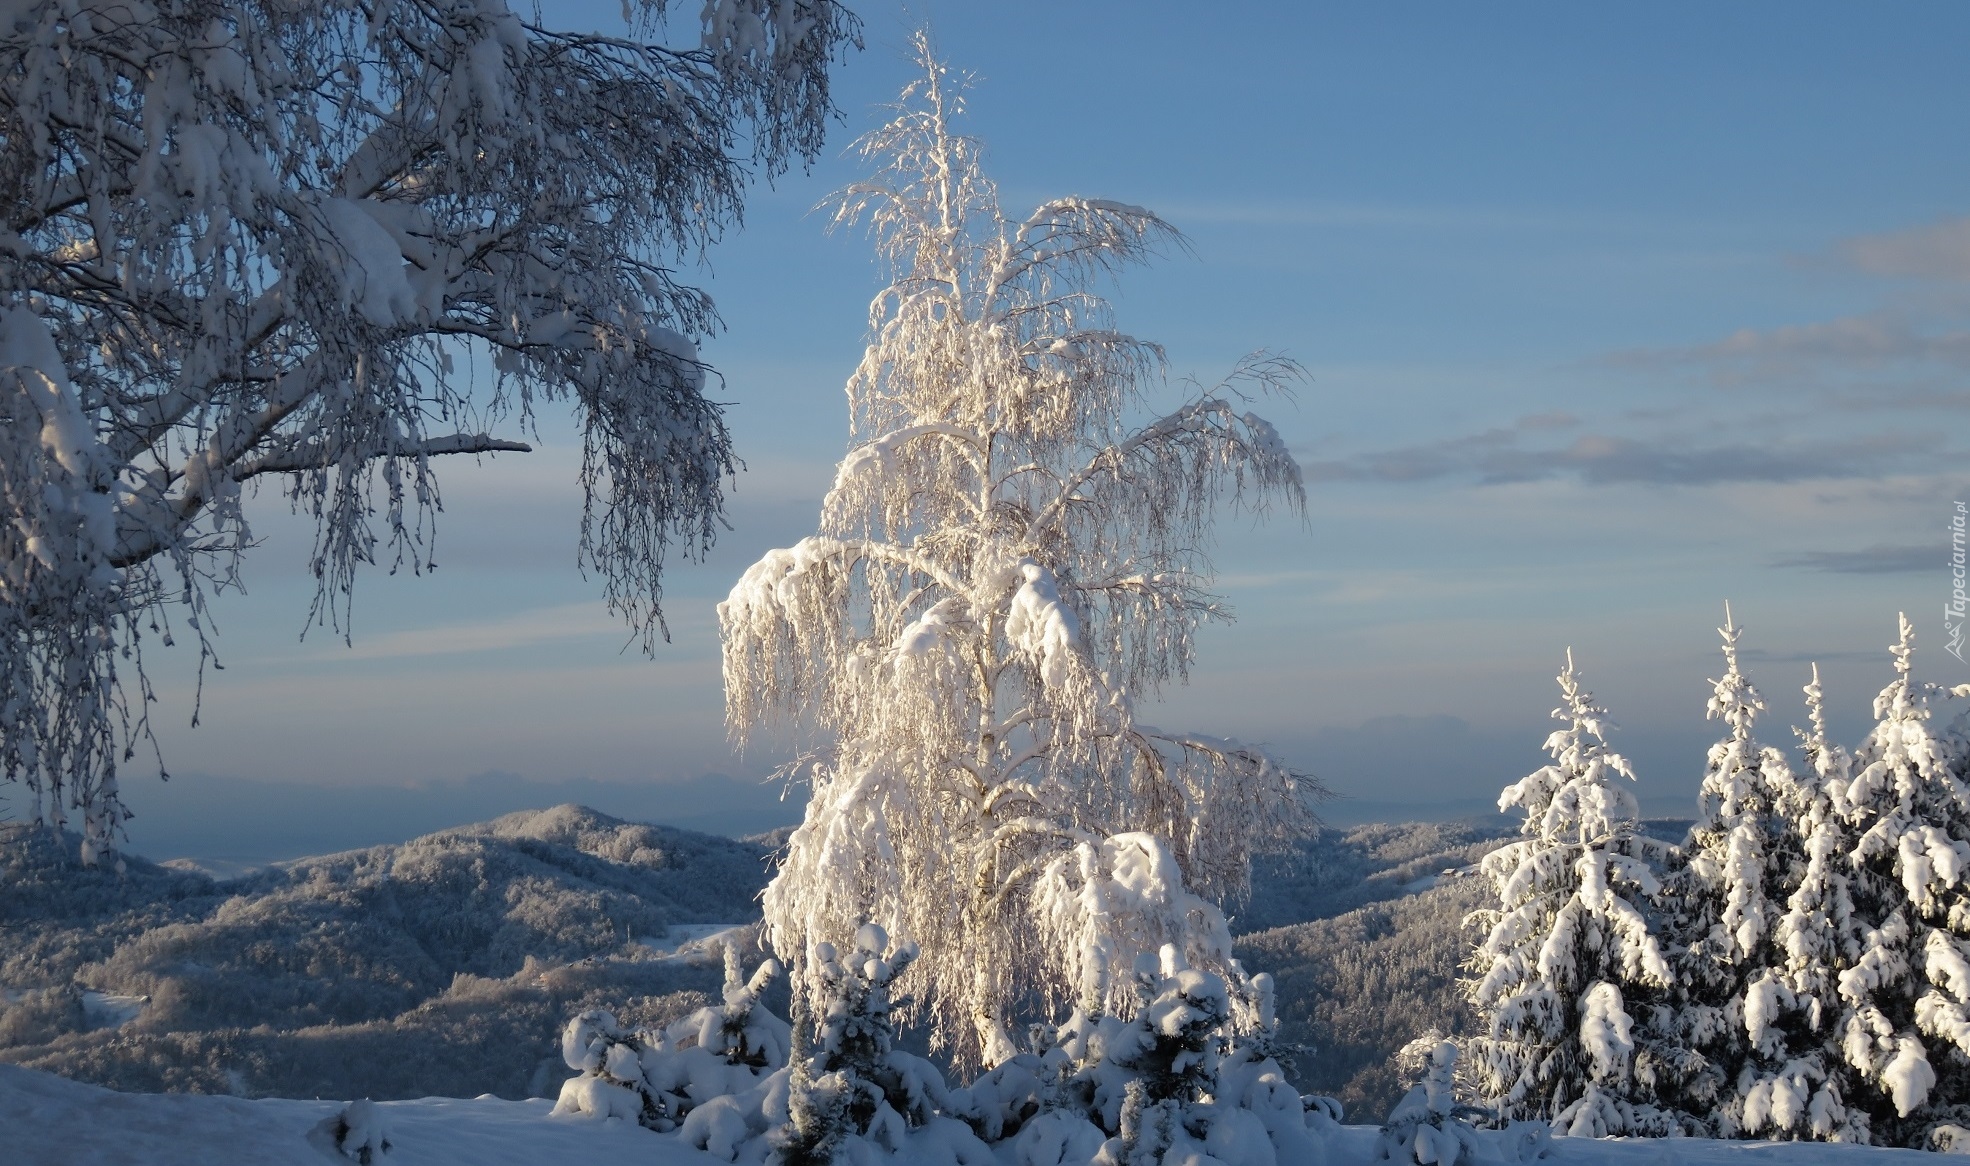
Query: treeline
{"x": 1798, "y": 968}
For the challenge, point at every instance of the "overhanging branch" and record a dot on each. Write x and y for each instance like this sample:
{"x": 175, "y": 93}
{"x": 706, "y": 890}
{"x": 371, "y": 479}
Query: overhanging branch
{"x": 321, "y": 457}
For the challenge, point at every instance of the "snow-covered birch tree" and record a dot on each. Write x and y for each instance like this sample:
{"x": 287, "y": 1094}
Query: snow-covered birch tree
{"x": 326, "y": 244}
{"x": 1005, "y": 557}
{"x": 1569, "y": 958}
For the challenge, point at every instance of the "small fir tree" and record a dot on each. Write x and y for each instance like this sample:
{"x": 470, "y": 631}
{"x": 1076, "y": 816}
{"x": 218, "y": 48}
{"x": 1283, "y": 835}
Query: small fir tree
{"x": 1429, "y": 1126}
{"x": 1569, "y": 947}
{"x": 662, "y": 1077}
{"x": 1190, "y": 1071}
{"x": 850, "y": 1084}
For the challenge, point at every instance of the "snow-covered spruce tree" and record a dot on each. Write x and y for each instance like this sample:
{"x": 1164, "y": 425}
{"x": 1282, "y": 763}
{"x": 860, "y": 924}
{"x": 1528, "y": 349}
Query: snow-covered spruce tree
{"x": 724, "y": 1050}
{"x": 1431, "y": 1127}
{"x": 1723, "y": 899}
{"x": 1569, "y": 957}
{"x": 1820, "y": 938}
{"x": 329, "y": 243}
{"x": 853, "y": 1092}
{"x": 1905, "y": 1028}
{"x": 1003, "y": 560}
{"x": 1165, "y": 1085}
{"x": 740, "y": 1030}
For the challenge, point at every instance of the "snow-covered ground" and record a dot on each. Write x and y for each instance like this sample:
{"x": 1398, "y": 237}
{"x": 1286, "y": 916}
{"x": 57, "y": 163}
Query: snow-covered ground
{"x": 110, "y": 1010}
{"x": 693, "y": 940}
{"x": 48, "y": 1121}
{"x": 100, "y": 1010}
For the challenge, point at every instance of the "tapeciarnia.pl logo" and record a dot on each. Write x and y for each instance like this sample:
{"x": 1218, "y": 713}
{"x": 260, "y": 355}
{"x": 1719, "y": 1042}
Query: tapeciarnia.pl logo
{"x": 1953, "y": 611}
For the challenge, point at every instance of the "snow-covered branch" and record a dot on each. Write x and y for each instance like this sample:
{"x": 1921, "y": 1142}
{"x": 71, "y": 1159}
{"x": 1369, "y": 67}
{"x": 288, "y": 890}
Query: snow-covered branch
{"x": 245, "y": 238}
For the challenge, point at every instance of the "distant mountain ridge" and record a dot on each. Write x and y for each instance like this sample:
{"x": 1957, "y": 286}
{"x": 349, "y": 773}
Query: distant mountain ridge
{"x": 231, "y": 822}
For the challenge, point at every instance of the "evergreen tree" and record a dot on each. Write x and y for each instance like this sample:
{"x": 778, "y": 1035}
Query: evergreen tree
{"x": 661, "y": 1077}
{"x": 1428, "y": 1126}
{"x": 1723, "y": 900}
{"x": 1173, "y": 1080}
{"x": 849, "y": 1082}
{"x": 1906, "y": 1021}
{"x": 1569, "y": 949}
{"x": 1817, "y": 939}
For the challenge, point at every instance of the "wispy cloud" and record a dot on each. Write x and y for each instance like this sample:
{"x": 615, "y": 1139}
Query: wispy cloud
{"x": 520, "y": 630}
{"x": 1310, "y": 213}
{"x": 1505, "y": 455}
{"x": 1874, "y": 340}
{"x": 1761, "y": 656}
{"x": 1935, "y": 251}
{"x": 1875, "y": 560}
{"x": 1919, "y": 335}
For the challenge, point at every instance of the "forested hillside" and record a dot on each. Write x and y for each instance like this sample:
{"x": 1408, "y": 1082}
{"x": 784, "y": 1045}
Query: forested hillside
{"x": 445, "y": 965}
{"x": 1363, "y": 930}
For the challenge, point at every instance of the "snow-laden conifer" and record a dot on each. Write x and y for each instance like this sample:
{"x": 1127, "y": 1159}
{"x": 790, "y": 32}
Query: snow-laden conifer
{"x": 1724, "y": 900}
{"x": 662, "y": 1077}
{"x": 1004, "y": 558}
{"x": 1800, "y": 1091}
{"x": 1429, "y": 1126}
{"x": 1569, "y": 945}
{"x": 1171, "y": 1081}
{"x": 853, "y": 1096}
{"x": 1905, "y": 1027}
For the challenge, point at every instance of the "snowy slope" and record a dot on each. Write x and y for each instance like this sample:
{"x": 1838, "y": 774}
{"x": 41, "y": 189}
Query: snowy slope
{"x": 48, "y": 1121}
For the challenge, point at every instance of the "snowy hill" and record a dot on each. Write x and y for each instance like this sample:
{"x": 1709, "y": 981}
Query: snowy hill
{"x": 445, "y": 965}
{"x": 1356, "y": 988}
{"x": 1359, "y": 928}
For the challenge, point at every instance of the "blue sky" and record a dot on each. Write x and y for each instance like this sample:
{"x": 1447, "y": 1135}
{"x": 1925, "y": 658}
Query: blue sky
{"x": 1613, "y": 313}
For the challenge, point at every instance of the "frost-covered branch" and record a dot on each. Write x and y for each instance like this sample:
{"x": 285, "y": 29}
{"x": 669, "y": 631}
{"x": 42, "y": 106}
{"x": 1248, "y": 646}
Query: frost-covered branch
{"x": 244, "y": 239}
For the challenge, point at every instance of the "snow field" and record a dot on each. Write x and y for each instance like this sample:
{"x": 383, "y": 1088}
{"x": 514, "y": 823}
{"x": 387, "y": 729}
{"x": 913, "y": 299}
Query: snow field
{"x": 49, "y": 1121}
